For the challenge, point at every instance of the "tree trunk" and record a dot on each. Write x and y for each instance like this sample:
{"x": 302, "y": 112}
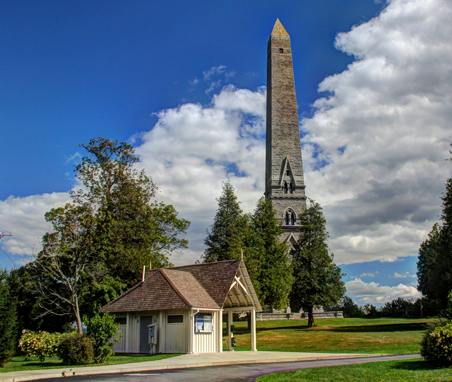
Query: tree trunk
{"x": 248, "y": 318}
{"x": 311, "y": 317}
{"x": 77, "y": 317}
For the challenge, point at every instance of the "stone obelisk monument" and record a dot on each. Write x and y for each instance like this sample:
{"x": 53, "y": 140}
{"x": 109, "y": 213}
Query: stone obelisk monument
{"x": 284, "y": 182}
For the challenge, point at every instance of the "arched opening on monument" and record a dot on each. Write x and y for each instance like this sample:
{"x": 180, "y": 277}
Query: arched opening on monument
{"x": 289, "y": 217}
{"x": 286, "y": 188}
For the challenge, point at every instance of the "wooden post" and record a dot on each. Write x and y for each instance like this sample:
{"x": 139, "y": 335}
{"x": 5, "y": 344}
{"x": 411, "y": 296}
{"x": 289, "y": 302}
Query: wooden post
{"x": 220, "y": 331}
{"x": 162, "y": 332}
{"x": 230, "y": 322}
{"x": 253, "y": 329}
{"x": 192, "y": 332}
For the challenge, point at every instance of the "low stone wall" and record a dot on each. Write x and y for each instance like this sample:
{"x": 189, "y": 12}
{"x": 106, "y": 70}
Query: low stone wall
{"x": 297, "y": 316}
{"x": 275, "y": 316}
{"x": 332, "y": 314}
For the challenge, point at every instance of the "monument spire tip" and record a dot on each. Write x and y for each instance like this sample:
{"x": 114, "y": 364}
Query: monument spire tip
{"x": 279, "y": 30}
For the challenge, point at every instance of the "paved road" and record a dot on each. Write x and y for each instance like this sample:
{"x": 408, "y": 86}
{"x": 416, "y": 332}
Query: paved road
{"x": 223, "y": 373}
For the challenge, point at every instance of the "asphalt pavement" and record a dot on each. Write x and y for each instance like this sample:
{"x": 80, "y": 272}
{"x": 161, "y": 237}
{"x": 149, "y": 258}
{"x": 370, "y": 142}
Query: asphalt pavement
{"x": 247, "y": 372}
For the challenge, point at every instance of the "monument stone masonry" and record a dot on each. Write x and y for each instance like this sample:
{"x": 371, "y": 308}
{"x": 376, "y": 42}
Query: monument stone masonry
{"x": 284, "y": 181}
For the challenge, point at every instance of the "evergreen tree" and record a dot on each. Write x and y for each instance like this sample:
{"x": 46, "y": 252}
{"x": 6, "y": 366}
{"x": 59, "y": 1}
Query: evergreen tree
{"x": 435, "y": 255}
{"x": 267, "y": 258}
{"x": 23, "y": 288}
{"x": 8, "y": 319}
{"x": 257, "y": 235}
{"x": 317, "y": 280}
{"x": 226, "y": 237}
{"x": 427, "y": 267}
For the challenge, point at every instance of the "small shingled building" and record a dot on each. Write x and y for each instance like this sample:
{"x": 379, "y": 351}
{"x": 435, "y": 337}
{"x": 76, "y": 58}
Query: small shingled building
{"x": 182, "y": 308}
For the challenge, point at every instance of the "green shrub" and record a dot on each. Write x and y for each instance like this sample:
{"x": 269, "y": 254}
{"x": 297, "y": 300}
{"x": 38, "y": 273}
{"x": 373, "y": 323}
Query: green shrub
{"x": 76, "y": 349}
{"x": 436, "y": 345}
{"x": 39, "y": 344}
{"x": 102, "y": 329}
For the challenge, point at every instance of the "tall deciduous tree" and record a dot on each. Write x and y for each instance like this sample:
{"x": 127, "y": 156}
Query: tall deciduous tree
{"x": 226, "y": 237}
{"x": 317, "y": 280}
{"x": 67, "y": 261}
{"x": 101, "y": 241}
{"x": 132, "y": 228}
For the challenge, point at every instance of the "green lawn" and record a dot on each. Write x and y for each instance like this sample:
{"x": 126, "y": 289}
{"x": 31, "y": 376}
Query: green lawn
{"x": 19, "y": 363}
{"x": 394, "y": 371}
{"x": 348, "y": 335}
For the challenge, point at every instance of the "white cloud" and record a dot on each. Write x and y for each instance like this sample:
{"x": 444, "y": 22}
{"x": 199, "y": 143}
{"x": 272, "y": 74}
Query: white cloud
{"x": 74, "y": 158}
{"x": 216, "y": 76}
{"x": 405, "y": 275}
{"x": 24, "y": 218}
{"x": 373, "y": 293}
{"x": 193, "y": 149}
{"x": 384, "y": 131}
{"x": 213, "y": 71}
{"x": 189, "y": 153}
{"x": 367, "y": 275}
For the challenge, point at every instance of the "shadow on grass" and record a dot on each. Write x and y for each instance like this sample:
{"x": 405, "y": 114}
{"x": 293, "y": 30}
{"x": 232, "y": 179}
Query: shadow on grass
{"x": 347, "y": 329}
{"x": 417, "y": 365}
{"x": 379, "y": 328}
{"x": 44, "y": 364}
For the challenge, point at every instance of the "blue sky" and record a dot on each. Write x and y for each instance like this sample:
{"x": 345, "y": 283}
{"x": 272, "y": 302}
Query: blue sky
{"x": 74, "y": 70}
{"x": 172, "y": 77}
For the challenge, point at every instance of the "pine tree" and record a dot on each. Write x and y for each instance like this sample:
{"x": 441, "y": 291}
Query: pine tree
{"x": 267, "y": 258}
{"x": 226, "y": 237}
{"x": 317, "y": 280}
{"x": 429, "y": 252}
{"x": 435, "y": 256}
{"x": 8, "y": 320}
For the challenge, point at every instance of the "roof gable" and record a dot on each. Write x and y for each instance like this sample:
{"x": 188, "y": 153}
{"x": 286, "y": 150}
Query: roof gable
{"x": 201, "y": 286}
{"x": 155, "y": 293}
{"x": 215, "y": 278}
{"x": 189, "y": 289}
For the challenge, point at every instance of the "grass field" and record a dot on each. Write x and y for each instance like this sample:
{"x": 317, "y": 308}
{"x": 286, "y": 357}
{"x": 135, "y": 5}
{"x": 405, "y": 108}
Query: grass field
{"x": 20, "y": 364}
{"x": 348, "y": 335}
{"x": 353, "y": 335}
{"x": 394, "y": 371}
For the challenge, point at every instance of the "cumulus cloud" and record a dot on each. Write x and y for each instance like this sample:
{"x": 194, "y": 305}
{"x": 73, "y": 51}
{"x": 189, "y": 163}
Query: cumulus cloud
{"x": 374, "y": 293}
{"x": 189, "y": 153}
{"x": 24, "y": 218}
{"x": 383, "y": 130}
{"x": 193, "y": 149}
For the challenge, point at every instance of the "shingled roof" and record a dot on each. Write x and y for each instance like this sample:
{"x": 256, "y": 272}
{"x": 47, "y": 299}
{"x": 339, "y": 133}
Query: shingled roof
{"x": 215, "y": 278}
{"x": 203, "y": 286}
